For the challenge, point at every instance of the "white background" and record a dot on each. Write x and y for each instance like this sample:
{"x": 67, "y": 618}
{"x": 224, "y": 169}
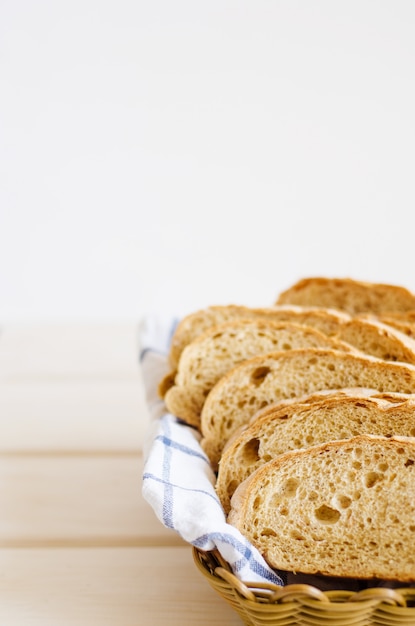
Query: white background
{"x": 162, "y": 155}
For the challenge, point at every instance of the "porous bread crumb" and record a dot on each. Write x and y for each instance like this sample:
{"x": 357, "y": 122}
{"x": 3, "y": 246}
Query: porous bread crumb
{"x": 299, "y": 425}
{"x": 265, "y": 379}
{"x": 343, "y": 508}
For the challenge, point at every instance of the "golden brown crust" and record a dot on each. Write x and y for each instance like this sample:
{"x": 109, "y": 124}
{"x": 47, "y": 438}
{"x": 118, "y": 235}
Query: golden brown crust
{"x": 208, "y": 357}
{"x": 266, "y": 379}
{"x": 349, "y": 295}
{"x": 300, "y": 425}
{"x": 196, "y": 323}
{"x": 342, "y": 508}
{"x": 166, "y": 383}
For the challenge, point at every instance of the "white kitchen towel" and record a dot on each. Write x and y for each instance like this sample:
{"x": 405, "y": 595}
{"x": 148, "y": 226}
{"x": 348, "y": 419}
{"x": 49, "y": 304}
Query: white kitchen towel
{"x": 178, "y": 481}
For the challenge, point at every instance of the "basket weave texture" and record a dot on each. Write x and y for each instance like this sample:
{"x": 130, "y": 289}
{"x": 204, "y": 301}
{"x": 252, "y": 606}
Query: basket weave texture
{"x": 303, "y": 605}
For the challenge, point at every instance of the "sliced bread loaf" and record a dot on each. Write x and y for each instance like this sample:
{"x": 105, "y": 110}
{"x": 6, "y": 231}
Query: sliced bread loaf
{"x": 349, "y": 295}
{"x": 196, "y": 323}
{"x": 268, "y": 378}
{"x": 206, "y": 359}
{"x": 343, "y": 508}
{"x": 300, "y": 426}
{"x": 377, "y": 339}
{"x": 393, "y": 397}
{"x": 388, "y": 338}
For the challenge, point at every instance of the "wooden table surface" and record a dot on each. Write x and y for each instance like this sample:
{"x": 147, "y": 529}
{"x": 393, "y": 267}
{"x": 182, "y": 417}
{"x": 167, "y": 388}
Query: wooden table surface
{"x": 78, "y": 544}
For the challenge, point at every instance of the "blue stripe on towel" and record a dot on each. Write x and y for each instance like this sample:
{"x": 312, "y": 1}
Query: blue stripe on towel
{"x": 149, "y": 476}
{"x": 168, "y": 488}
{"x": 167, "y": 475}
{"x": 178, "y": 446}
{"x": 247, "y": 559}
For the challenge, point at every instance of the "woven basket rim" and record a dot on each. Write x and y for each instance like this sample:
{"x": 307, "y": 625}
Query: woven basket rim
{"x": 212, "y": 565}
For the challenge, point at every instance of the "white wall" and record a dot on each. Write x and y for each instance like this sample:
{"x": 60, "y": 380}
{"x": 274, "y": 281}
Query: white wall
{"x": 162, "y": 155}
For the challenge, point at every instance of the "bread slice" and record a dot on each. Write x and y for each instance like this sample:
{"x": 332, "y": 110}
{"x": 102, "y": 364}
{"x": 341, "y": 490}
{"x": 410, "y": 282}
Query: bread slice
{"x": 268, "y": 378}
{"x": 393, "y": 397}
{"x": 196, "y": 323}
{"x": 407, "y": 327}
{"x": 299, "y": 425}
{"x": 343, "y": 508}
{"x": 351, "y": 296}
{"x": 385, "y": 337}
{"x": 402, "y": 316}
{"x": 377, "y": 339}
{"x": 206, "y": 359}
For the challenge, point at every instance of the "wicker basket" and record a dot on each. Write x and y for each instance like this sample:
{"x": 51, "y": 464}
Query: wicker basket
{"x": 304, "y": 605}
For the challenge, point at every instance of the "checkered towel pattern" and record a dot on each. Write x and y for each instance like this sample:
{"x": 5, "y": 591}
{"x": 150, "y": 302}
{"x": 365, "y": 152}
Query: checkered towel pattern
{"x": 178, "y": 481}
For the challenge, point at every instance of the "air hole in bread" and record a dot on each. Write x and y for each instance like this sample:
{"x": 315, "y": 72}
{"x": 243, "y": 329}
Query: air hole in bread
{"x": 268, "y": 532}
{"x": 371, "y": 479}
{"x": 412, "y": 528}
{"x": 327, "y": 514}
{"x": 259, "y": 374}
{"x": 286, "y": 346}
{"x": 250, "y": 451}
{"x": 290, "y": 487}
{"x": 295, "y": 534}
{"x": 383, "y": 466}
{"x": 257, "y": 502}
{"x": 312, "y": 361}
{"x": 344, "y": 501}
{"x": 231, "y": 487}
{"x": 408, "y": 462}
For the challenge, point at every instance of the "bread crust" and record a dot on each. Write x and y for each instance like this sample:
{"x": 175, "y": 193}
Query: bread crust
{"x": 343, "y": 508}
{"x": 208, "y": 357}
{"x": 349, "y": 295}
{"x": 220, "y": 348}
{"x": 301, "y": 425}
{"x": 196, "y": 323}
{"x": 266, "y": 379}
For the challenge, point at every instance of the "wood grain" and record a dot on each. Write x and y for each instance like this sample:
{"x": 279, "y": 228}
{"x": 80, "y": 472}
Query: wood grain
{"x": 79, "y": 546}
{"x": 108, "y": 587}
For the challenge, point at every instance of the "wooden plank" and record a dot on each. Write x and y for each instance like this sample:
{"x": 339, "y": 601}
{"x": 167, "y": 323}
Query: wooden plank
{"x": 126, "y": 587}
{"x": 72, "y": 415}
{"x": 62, "y": 351}
{"x": 76, "y": 500}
